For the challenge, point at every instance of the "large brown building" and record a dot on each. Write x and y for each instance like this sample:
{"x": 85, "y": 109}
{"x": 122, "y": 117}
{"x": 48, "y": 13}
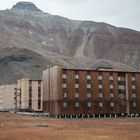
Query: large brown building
{"x": 75, "y": 92}
{"x": 28, "y": 94}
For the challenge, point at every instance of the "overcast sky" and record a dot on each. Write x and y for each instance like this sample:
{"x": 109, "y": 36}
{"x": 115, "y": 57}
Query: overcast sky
{"x": 121, "y": 13}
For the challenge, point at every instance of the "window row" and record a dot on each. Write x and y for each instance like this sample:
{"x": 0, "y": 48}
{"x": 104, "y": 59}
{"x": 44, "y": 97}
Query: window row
{"x": 100, "y": 77}
{"x": 90, "y": 104}
{"x": 88, "y": 95}
{"x": 76, "y": 95}
{"x": 123, "y": 87}
{"x": 100, "y": 86}
{"x": 76, "y": 76}
{"x": 64, "y": 85}
{"x": 100, "y": 95}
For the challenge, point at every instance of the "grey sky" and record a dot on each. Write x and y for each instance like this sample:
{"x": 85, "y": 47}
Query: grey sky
{"x": 122, "y": 13}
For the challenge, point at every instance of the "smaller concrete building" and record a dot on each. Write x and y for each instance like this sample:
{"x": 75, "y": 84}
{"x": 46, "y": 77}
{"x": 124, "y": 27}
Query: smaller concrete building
{"x": 28, "y": 94}
{"x": 7, "y": 97}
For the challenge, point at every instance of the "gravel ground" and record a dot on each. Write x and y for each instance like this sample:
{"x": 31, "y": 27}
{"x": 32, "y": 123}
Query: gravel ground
{"x": 19, "y": 127}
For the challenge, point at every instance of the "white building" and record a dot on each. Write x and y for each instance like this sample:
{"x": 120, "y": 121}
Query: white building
{"x": 7, "y": 97}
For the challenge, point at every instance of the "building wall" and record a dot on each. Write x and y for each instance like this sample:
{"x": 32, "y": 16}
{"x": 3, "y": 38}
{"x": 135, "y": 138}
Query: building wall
{"x": 7, "y": 97}
{"x": 46, "y": 89}
{"x": 111, "y": 94}
{"x": 1, "y": 97}
{"x": 29, "y": 94}
{"x": 51, "y": 89}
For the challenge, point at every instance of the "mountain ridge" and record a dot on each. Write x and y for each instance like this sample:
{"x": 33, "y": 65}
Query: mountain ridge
{"x": 55, "y": 40}
{"x": 26, "y": 6}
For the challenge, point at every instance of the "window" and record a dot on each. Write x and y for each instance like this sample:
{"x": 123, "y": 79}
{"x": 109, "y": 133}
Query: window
{"x": 121, "y": 96}
{"x": 76, "y": 76}
{"x": 111, "y": 104}
{"x": 39, "y": 89}
{"x": 100, "y": 77}
{"x": 88, "y": 77}
{"x": 30, "y": 104}
{"x": 133, "y": 95}
{"x": 76, "y": 104}
{"x": 64, "y": 76}
{"x": 39, "y": 96}
{"x": 64, "y": 85}
{"x": 111, "y": 95}
{"x": 30, "y": 92}
{"x": 111, "y": 86}
{"x": 133, "y": 78}
{"x": 39, "y": 83}
{"x": 39, "y": 104}
{"x": 89, "y": 104}
{"x": 100, "y": 104}
{"x": 39, "y": 93}
{"x": 30, "y": 83}
{"x": 76, "y": 85}
{"x": 122, "y": 87}
{"x": 134, "y": 104}
{"x": 110, "y": 78}
{"x": 30, "y": 89}
{"x": 30, "y": 96}
{"x": 133, "y": 87}
{"x": 100, "y": 95}
{"x": 88, "y": 85}
{"x": 64, "y": 104}
{"x": 65, "y": 95}
{"x": 76, "y": 95}
{"x": 100, "y": 86}
{"x": 88, "y": 95}
{"x": 121, "y": 78}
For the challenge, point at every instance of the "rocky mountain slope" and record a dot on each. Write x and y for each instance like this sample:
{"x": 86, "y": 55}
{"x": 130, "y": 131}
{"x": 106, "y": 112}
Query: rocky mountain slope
{"x": 31, "y": 41}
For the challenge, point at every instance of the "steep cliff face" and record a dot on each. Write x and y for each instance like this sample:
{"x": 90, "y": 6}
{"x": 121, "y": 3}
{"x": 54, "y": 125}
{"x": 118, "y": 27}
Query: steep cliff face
{"x": 49, "y": 40}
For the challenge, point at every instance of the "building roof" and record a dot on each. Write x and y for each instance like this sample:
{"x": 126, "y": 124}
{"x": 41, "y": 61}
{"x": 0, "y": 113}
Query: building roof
{"x": 103, "y": 69}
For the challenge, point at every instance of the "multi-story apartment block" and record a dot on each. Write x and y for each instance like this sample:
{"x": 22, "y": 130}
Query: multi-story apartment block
{"x": 28, "y": 94}
{"x": 7, "y": 97}
{"x": 90, "y": 92}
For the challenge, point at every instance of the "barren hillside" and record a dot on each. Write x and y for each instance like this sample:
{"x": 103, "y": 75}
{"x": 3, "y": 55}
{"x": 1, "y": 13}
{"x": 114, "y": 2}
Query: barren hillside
{"x": 31, "y": 41}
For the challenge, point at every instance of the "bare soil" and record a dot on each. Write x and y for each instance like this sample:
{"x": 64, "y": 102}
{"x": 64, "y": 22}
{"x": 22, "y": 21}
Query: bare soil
{"x": 19, "y": 127}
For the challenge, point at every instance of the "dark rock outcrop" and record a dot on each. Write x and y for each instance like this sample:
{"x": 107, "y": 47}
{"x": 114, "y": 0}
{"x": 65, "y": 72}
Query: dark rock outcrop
{"x": 26, "y": 6}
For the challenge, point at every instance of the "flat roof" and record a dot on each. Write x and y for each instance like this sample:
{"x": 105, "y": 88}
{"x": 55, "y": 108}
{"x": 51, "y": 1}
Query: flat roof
{"x": 102, "y": 69}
